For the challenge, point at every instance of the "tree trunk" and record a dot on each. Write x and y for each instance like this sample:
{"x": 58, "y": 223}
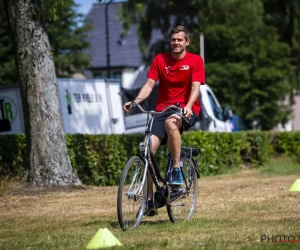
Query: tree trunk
{"x": 47, "y": 156}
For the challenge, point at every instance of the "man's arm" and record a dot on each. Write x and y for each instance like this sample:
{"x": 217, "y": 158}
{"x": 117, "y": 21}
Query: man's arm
{"x": 193, "y": 97}
{"x": 143, "y": 94}
{"x": 145, "y": 91}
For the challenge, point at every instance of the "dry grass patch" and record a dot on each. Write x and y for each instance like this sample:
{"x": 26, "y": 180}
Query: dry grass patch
{"x": 233, "y": 212}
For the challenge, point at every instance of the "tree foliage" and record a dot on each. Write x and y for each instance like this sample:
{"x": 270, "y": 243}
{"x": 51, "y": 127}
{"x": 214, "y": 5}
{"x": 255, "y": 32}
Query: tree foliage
{"x": 67, "y": 40}
{"x": 248, "y": 65}
{"x": 66, "y": 36}
{"x": 285, "y": 17}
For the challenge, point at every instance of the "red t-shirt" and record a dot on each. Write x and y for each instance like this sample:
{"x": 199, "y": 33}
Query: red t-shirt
{"x": 175, "y": 79}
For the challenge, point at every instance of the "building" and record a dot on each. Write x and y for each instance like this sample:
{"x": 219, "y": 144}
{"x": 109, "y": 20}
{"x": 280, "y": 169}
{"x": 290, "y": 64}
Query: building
{"x": 122, "y": 59}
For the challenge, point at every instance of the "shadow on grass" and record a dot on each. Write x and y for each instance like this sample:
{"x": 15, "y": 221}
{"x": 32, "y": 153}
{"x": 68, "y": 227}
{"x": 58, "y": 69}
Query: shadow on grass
{"x": 115, "y": 224}
{"x": 154, "y": 222}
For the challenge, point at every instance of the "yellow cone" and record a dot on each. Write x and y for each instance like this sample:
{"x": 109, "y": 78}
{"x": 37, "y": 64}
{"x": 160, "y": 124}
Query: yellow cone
{"x": 295, "y": 186}
{"x": 103, "y": 238}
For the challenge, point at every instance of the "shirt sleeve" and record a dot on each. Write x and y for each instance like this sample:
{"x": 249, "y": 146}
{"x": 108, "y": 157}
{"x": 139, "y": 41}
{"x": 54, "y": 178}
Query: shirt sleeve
{"x": 198, "y": 74}
{"x": 153, "y": 72}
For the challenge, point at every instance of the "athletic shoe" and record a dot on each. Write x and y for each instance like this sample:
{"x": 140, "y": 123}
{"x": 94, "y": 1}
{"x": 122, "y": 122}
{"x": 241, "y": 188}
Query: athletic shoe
{"x": 149, "y": 210}
{"x": 176, "y": 177}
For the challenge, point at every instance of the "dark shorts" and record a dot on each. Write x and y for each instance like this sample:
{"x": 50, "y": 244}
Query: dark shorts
{"x": 159, "y": 129}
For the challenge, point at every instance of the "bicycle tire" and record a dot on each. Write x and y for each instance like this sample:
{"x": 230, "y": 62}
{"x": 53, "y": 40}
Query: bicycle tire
{"x": 181, "y": 207}
{"x": 130, "y": 204}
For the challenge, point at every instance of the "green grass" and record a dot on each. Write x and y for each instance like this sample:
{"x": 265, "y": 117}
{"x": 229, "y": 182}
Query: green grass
{"x": 233, "y": 212}
{"x": 281, "y": 166}
{"x": 197, "y": 234}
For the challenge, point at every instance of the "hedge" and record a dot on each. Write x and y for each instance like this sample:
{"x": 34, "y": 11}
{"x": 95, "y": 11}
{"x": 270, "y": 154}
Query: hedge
{"x": 99, "y": 159}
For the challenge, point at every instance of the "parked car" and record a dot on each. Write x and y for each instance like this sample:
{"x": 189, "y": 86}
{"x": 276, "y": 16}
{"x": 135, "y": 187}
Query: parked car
{"x": 238, "y": 124}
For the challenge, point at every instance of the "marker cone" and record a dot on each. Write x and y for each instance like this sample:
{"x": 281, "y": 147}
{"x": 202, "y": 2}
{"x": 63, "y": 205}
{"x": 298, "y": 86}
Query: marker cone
{"x": 103, "y": 238}
{"x": 295, "y": 186}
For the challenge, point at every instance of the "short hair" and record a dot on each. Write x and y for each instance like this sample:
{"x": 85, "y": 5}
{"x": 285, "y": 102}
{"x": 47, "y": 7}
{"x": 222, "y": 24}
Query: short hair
{"x": 180, "y": 28}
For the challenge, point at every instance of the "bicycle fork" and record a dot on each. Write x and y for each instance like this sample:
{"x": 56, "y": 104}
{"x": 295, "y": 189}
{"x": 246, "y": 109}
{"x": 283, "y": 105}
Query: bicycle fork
{"x": 135, "y": 193}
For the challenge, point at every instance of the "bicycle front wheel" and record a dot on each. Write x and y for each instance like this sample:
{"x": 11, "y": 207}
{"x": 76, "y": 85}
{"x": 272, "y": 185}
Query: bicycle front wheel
{"x": 132, "y": 194}
{"x": 183, "y": 199}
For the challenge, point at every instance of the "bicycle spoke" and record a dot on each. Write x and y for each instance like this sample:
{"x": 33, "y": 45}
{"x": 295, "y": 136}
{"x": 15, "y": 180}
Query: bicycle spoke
{"x": 183, "y": 200}
{"x": 132, "y": 194}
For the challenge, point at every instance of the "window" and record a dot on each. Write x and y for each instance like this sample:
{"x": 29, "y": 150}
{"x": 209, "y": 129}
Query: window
{"x": 216, "y": 109}
{"x": 103, "y": 75}
{"x": 117, "y": 75}
{"x": 99, "y": 76}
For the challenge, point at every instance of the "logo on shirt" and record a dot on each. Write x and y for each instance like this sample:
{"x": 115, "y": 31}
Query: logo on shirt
{"x": 185, "y": 67}
{"x": 167, "y": 69}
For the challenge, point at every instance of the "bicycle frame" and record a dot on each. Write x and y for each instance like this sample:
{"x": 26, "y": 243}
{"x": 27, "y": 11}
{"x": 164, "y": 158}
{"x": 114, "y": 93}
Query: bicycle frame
{"x": 147, "y": 155}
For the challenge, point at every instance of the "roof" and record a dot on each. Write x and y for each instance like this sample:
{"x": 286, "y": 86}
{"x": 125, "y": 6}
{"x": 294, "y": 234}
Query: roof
{"x": 124, "y": 50}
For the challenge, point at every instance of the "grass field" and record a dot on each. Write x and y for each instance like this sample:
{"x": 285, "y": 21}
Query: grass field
{"x": 234, "y": 211}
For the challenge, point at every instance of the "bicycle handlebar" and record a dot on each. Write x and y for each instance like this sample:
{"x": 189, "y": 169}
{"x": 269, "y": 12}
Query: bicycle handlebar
{"x": 178, "y": 111}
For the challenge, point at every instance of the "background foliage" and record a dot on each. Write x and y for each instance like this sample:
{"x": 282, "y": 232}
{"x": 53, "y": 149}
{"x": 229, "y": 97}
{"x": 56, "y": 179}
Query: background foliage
{"x": 66, "y": 36}
{"x": 99, "y": 160}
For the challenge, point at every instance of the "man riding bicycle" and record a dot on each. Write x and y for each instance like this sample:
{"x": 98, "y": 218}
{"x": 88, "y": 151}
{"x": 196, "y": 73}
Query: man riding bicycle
{"x": 180, "y": 75}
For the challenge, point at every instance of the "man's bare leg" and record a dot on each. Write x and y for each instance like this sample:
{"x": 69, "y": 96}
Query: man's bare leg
{"x": 173, "y": 125}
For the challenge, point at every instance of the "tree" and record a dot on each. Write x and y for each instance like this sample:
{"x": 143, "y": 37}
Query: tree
{"x": 284, "y": 15}
{"x": 246, "y": 65}
{"x": 67, "y": 40}
{"x": 47, "y": 156}
{"x": 66, "y": 37}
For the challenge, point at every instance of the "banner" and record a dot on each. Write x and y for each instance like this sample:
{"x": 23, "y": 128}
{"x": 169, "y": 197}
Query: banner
{"x": 91, "y": 106}
{"x": 11, "y": 113}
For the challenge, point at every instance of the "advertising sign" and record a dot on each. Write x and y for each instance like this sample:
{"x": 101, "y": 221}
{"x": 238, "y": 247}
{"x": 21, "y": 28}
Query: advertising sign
{"x": 91, "y": 106}
{"x": 11, "y": 113}
{"x": 87, "y": 107}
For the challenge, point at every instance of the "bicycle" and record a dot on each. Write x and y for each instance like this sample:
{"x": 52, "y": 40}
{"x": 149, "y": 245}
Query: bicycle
{"x": 132, "y": 192}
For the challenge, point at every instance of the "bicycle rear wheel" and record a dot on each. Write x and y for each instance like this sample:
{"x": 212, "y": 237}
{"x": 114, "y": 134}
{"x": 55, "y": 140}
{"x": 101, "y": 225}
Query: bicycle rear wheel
{"x": 184, "y": 198}
{"x": 132, "y": 194}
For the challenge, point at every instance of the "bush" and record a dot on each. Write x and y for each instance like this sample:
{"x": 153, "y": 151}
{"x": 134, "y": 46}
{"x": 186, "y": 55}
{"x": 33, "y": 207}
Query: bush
{"x": 12, "y": 155}
{"x": 99, "y": 159}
